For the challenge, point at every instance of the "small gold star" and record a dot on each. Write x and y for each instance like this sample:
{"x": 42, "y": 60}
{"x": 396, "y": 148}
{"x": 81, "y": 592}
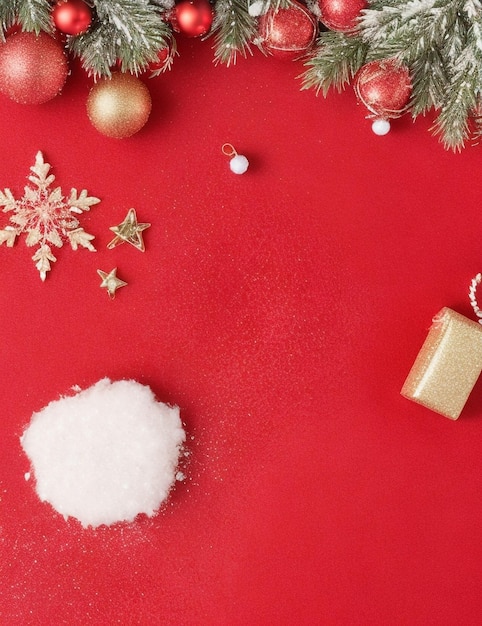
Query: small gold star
{"x": 111, "y": 282}
{"x": 129, "y": 230}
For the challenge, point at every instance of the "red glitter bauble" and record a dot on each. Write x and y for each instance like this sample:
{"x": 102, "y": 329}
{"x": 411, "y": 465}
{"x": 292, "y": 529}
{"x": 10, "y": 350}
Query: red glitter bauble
{"x": 33, "y": 68}
{"x": 288, "y": 33}
{"x": 384, "y": 87}
{"x": 341, "y": 15}
{"x": 192, "y": 18}
{"x": 72, "y": 17}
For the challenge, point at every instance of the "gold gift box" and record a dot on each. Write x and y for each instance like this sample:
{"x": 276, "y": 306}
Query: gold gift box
{"x": 448, "y": 365}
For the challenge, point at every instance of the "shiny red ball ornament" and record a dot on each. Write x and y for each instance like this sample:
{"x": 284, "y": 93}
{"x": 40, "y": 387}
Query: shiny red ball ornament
{"x": 288, "y": 33}
{"x": 72, "y": 17}
{"x": 384, "y": 87}
{"x": 33, "y": 68}
{"x": 341, "y": 15}
{"x": 192, "y": 18}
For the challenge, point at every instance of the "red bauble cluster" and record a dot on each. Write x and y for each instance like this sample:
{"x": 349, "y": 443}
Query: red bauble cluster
{"x": 33, "y": 68}
{"x": 72, "y": 17}
{"x": 288, "y": 33}
{"x": 384, "y": 87}
{"x": 341, "y": 15}
{"x": 192, "y": 18}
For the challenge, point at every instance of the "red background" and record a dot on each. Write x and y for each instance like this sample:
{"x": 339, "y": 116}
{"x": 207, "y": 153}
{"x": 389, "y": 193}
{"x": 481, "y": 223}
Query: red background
{"x": 281, "y": 310}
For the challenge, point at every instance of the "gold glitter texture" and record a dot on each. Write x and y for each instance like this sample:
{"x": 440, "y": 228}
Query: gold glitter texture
{"x": 448, "y": 365}
{"x": 119, "y": 106}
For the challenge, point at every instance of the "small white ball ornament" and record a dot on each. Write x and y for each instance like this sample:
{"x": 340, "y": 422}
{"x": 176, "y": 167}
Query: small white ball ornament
{"x": 239, "y": 163}
{"x": 381, "y": 127}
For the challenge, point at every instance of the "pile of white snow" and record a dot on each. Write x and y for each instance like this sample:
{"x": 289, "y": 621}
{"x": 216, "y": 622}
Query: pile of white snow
{"x": 105, "y": 454}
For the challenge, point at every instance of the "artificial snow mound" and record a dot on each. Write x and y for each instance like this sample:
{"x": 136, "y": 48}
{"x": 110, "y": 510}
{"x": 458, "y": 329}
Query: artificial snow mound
{"x": 105, "y": 454}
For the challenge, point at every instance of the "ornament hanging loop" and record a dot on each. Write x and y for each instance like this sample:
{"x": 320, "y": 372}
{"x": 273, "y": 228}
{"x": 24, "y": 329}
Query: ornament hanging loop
{"x": 473, "y": 298}
{"x": 229, "y": 150}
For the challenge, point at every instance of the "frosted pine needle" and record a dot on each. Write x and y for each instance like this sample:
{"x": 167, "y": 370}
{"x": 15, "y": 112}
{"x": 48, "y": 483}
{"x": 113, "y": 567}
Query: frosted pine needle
{"x": 45, "y": 216}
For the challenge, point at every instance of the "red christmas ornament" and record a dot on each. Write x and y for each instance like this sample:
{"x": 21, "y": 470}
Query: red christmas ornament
{"x": 192, "y": 18}
{"x": 384, "y": 87}
{"x": 288, "y": 33}
{"x": 72, "y": 17}
{"x": 341, "y": 15}
{"x": 33, "y": 69}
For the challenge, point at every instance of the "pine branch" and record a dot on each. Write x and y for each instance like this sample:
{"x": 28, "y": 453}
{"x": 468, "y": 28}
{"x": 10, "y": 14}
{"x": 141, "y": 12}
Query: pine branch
{"x": 429, "y": 79}
{"x": 439, "y": 40}
{"x": 335, "y": 62}
{"x": 128, "y": 32}
{"x": 408, "y": 29}
{"x": 453, "y": 122}
{"x": 33, "y": 15}
{"x": 233, "y": 28}
{"x": 8, "y": 15}
{"x": 419, "y": 42}
{"x": 385, "y": 20}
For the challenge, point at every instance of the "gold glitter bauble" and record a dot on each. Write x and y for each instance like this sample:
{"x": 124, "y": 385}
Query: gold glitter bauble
{"x": 119, "y": 106}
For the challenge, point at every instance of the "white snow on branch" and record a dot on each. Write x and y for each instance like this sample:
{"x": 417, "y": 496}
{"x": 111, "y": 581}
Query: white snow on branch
{"x": 472, "y": 8}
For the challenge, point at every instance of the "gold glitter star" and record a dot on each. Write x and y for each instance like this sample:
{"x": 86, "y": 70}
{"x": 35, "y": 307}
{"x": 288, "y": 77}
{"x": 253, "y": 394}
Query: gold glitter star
{"x": 129, "y": 230}
{"x": 111, "y": 282}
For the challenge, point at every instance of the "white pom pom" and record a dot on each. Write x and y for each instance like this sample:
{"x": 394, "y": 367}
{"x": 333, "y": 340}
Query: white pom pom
{"x": 239, "y": 164}
{"x": 381, "y": 127}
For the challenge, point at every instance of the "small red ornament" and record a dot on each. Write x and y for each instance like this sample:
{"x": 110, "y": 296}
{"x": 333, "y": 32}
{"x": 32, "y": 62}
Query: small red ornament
{"x": 288, "y": 33}
{"x": 341, "y": 15}
{"x": 33, "y": 68}
{"x": 384, "y": 87}
{"x": 72, "y": 17}
{"x": 192, "y": 18}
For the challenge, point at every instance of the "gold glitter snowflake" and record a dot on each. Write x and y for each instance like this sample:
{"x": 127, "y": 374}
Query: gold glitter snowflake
{"x": 45, "y": 216}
